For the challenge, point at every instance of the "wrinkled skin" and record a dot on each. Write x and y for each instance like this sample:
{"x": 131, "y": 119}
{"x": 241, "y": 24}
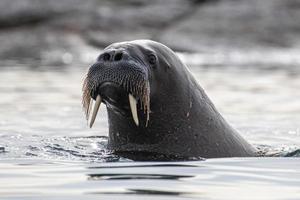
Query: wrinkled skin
{"x": 177, "y": 121}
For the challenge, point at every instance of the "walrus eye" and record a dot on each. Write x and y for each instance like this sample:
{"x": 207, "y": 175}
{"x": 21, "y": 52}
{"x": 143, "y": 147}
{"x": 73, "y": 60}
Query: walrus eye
{"x": 152, "y": 59}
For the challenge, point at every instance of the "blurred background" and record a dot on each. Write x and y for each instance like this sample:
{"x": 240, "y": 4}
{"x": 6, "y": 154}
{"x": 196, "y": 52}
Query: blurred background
{"x": 57, "y": 32}
{"x": 244, "y": 53}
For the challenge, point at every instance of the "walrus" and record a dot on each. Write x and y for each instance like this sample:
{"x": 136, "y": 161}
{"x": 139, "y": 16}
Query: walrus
{"x": 156, "y": 109}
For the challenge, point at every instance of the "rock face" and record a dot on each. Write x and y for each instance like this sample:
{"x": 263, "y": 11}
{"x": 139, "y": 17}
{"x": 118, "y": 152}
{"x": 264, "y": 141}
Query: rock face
{"x": 238, "y": 24}
{"x": 38, "y": 29}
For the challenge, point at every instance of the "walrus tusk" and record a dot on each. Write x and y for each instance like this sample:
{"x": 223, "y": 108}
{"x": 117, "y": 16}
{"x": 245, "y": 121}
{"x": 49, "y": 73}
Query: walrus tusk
{"x": 89, "y": 108}
{"x": 133, "y": 105}
{"x": 95, "y": 110}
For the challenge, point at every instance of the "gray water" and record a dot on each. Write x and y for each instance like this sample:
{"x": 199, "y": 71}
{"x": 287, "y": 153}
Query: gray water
{"x": 48, "y": 152}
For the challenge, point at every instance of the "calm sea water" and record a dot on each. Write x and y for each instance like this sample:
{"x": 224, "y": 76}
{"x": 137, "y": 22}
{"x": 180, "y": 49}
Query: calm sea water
{"x": 48, "y": 152}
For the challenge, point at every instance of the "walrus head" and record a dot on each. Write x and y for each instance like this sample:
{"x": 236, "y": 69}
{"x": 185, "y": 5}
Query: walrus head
{"x": 156, "y": 109}
{"x": 121, "y": 79}
{"x": 126, "y": 77}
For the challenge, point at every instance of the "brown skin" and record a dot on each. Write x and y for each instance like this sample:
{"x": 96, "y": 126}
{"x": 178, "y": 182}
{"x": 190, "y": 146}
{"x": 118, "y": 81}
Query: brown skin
{"x": 183, "y": 123}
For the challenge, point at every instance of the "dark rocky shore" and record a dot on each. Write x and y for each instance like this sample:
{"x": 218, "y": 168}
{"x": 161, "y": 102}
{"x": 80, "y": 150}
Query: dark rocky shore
{"x": 38, "y": 29}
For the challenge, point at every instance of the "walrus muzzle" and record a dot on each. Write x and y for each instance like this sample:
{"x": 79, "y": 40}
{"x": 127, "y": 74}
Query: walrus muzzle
{"x": 121, "y": 83}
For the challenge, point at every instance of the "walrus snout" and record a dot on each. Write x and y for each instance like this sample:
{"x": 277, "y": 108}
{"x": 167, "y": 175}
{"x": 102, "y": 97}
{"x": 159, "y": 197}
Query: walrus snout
{"x": 119, "y": 81}
{"x": 113, "y": 55}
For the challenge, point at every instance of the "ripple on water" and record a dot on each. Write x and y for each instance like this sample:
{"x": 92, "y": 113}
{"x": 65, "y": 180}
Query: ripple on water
{"x": 91, "y": 149}
{"x": 270, "y": 178}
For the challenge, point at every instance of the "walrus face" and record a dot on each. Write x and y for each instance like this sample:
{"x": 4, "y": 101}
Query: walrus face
{"x": 121, "y": 79}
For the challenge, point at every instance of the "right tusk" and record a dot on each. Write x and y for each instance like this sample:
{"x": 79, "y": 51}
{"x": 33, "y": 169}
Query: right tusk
{"x": 133, "y": 105}
{"x": 95, "y": 110}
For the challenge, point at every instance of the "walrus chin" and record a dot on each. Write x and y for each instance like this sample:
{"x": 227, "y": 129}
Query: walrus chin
{"x": 120, "y": 85}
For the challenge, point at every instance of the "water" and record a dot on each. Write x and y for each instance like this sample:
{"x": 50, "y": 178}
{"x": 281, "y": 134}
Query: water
{"x": 247, "y": 178}
{"x": 47, "y": 151}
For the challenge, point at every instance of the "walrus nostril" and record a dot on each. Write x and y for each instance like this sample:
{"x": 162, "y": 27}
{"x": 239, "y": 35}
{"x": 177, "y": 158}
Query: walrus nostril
{"x": 106, "y": 57}
{"x": 118, "y": 56}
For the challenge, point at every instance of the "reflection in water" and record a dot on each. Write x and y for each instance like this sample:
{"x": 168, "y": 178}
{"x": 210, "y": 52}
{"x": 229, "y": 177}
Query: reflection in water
{"x": 271, "y": 178}
{"x": 157, "y": 192}
{"x": 138, "y": 165}
{"x": 149, "y": 192}
{"x": 135, "y": 176}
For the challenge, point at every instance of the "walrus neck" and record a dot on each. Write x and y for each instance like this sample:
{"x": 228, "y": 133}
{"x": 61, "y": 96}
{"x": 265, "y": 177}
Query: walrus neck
{"x": 175, "y": 130}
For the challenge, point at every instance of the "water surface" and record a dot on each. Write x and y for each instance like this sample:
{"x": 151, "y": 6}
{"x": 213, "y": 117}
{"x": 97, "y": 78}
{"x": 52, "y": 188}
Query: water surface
{"x": 46, "y": 149}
